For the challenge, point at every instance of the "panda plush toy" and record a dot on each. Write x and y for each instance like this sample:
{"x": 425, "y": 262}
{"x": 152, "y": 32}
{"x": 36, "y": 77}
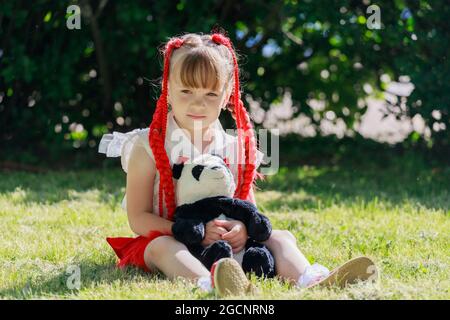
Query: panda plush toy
{"x": 204, "y": 191}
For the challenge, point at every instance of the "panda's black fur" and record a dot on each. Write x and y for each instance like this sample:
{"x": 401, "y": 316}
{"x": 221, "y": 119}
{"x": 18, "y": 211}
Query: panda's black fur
{"x": 191, "y": 218}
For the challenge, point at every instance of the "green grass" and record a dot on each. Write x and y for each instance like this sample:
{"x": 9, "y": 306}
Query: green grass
{"x": 397, "y": 214}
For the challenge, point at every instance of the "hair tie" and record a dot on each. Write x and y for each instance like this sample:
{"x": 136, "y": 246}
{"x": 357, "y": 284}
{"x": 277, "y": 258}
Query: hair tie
{"x": 221, "y": 39}
{"x": 175, "y": 43}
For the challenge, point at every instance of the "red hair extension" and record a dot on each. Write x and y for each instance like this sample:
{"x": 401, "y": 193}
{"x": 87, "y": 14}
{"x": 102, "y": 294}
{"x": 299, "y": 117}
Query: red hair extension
{"x": 157, "y": 135}
{"x": 242, "y": 123}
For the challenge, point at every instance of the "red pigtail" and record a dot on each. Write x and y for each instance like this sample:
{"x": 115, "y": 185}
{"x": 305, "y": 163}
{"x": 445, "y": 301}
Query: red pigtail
{"x": 157, "y": 135}
{"x": 244, "y": 124}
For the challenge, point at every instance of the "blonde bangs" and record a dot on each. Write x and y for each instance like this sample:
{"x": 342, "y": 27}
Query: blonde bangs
{"x": 199, "y": 69}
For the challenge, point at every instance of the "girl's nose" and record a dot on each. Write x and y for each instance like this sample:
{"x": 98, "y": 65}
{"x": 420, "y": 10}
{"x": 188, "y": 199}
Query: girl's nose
{"x": 198, "y": 103}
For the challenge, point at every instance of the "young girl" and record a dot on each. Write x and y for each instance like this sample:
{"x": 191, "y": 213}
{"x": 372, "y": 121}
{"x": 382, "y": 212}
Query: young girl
{"x": 200, "y": 79}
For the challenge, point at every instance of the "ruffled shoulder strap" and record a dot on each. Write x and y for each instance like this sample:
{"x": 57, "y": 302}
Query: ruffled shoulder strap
{"x": 118, "y": 144}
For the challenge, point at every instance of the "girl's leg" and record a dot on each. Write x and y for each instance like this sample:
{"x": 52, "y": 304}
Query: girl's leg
{"x": 173, "y": 259}
{"x": 290, "y": 263}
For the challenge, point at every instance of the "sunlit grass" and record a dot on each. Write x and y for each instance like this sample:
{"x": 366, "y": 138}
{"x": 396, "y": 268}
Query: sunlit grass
{"x": 398, "y": 216}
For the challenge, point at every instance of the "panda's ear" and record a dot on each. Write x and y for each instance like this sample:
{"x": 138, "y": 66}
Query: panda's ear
{"x": 177, "y": 168}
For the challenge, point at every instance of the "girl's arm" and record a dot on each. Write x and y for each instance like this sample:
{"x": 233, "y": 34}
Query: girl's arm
{"x": 251, "y": 196}
{"x": 139, "y": 191}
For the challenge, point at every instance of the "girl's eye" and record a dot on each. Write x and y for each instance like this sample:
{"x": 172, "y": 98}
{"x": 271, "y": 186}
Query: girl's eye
{"x": 211, "y": 94}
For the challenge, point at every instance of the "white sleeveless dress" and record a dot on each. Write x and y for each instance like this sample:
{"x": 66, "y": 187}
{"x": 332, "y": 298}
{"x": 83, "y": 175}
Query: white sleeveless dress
{"x": 177, "y": 145}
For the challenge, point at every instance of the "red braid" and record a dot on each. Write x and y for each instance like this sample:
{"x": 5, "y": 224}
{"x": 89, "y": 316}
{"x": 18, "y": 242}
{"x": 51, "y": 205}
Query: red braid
{"x": 157, "y": 135}
{"x": 243, "y": 123}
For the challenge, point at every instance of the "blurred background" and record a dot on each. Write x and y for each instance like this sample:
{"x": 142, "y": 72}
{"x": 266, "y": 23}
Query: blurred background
{"x": 338, "y": 86}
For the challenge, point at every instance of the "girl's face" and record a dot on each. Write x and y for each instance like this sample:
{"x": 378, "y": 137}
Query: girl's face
{"x": 196, "y": 108}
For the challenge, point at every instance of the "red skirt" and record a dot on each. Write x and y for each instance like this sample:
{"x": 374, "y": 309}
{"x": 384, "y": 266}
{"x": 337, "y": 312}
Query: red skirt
{"x": 131, "y": 250}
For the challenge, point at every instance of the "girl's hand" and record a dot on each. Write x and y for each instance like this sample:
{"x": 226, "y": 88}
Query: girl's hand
{"x": 236, "y": 236}
{"x": 212, "y": 233}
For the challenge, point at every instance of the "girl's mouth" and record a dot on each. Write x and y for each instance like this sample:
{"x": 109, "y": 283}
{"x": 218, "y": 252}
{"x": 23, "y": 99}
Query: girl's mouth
{"x": 196, "y": 117}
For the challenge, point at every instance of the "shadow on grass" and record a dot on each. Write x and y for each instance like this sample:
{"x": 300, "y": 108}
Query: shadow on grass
{"x": 54, "y": 187}
{"x": 393, "y": 182}
{"x": 91, "y": 275}
{"x": 315, "y": 187}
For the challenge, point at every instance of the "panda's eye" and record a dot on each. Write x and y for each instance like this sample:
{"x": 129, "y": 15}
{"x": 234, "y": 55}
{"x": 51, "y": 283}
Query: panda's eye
{"x": 196, "y": 171}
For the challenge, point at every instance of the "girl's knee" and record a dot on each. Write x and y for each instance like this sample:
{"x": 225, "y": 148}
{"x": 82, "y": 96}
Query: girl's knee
{"x": 281, "y": 235}
{"x": 158, "y": 246}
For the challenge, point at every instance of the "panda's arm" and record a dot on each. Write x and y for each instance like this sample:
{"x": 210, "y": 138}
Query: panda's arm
{"x": 204, "y": 209}
{"x": 236, "y": 209}
{"x": 190, "y": 221}
{"x": 188, "y": 231}
{"x": 188, "y": 228}
{"x": 258, "y": 225}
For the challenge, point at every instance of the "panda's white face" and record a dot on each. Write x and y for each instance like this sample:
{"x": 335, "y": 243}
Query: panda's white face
{"x": 205, "y": 176}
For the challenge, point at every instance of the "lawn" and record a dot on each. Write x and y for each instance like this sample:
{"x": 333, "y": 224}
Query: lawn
{"x": 396, "y": 213}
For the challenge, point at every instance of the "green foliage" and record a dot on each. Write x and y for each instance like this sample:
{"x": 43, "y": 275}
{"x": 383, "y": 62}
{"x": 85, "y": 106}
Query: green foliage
{"x": 60, "y": 89}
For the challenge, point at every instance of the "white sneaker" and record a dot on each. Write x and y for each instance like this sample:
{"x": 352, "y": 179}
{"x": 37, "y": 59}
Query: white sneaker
{"x": 205, "y": 284}
{"x": 312, "y": 275}
{"x": 353, "y": 271}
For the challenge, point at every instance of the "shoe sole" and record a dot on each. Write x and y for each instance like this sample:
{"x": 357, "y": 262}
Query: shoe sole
{"x": 351, "y": 272}
{"x": 229, "y": 278}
